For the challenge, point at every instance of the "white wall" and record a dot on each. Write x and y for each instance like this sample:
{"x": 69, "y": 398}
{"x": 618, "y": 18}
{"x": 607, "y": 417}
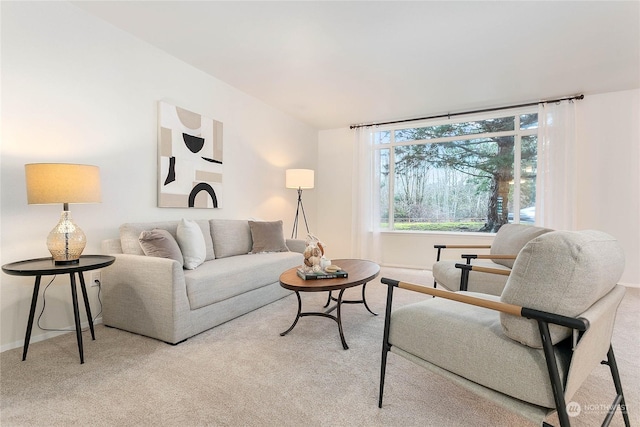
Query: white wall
{"x": 76, "y": 89}
{"x": 609, "y": 187}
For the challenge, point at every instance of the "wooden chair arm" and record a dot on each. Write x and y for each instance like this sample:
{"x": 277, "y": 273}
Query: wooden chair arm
{"x": 474, "y": 256}
{"x": 579, "y": 323}
{"x": 480, "y": 269}
{"x": 462, "y": 246}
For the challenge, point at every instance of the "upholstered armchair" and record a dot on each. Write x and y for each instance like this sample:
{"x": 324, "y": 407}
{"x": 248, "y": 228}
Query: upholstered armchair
{"x": 532, "y": 347}
{"x": 487, "y": 273}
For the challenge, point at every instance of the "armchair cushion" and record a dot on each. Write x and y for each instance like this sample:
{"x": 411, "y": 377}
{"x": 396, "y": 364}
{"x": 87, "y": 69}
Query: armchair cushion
{"x": 561, "y": 272}
{"x": 469, "y": 341}
{"x": 449, "y": 277}
{"x": 511, "y": 238}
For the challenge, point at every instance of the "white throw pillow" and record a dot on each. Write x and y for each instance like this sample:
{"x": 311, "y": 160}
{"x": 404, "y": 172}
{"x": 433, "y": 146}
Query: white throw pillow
{"x": 191, "y": 242}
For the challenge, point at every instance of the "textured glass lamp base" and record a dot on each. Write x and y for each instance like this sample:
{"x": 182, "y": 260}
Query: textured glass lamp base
{"x": 66, "y": 241}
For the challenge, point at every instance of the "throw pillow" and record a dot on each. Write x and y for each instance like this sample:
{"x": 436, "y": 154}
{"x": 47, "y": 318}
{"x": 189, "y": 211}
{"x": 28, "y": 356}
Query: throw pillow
{"x": 230, "y": 237}
{"x": 160, "y": 243}
{"x": 192, "y": 244}
{"x": 267, "y": 236}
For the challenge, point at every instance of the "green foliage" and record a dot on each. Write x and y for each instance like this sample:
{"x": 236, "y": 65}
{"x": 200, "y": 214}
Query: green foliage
{"x": 467, "y": 226}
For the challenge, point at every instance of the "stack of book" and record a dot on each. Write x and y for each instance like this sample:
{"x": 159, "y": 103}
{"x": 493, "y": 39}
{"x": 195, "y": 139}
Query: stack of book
{"x": 321, "y": 275}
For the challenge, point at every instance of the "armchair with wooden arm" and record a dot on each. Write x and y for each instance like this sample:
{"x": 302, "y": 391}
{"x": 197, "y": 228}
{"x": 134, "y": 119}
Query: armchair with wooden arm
{"x": 509, "y": 240}
{"x": 531, "y": 348}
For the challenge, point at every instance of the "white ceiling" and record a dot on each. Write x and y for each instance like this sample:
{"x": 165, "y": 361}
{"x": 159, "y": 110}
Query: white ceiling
{"x": 336, "y": 63}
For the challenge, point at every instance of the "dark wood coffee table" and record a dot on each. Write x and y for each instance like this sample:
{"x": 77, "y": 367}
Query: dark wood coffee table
{"x": 360, "y": 273}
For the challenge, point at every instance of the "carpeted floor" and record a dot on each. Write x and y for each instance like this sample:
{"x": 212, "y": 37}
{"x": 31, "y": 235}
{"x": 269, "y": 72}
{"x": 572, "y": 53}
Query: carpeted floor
{"x": 243, "y": 373}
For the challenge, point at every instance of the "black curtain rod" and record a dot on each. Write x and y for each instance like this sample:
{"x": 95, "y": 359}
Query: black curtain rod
{"x": 485, "y": 110}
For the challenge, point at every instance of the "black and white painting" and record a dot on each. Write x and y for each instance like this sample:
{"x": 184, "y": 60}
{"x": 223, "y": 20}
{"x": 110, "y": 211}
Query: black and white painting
{"x": 190, "y": 159}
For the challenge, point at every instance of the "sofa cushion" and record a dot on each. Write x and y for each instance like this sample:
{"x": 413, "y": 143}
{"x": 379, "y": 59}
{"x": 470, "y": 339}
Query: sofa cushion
{"x": 469, "y": 341}
{"x": 160, "y": 243}
{"x": 191, "y": 242}
{"x": 225, "y": 278}
{"x": 205, "y": 227}
{"x": 130, "y": 232}
{"x": 230, "y": 237}
{"x": 511, "y": 238}
{"x": 562, "y": 272}
{"x": 267, "y": 236}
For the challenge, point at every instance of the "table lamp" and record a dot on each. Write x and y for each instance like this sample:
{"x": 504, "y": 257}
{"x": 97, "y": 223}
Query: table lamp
{"x": 299, "y": 179}
{"x": 64, "y": 183}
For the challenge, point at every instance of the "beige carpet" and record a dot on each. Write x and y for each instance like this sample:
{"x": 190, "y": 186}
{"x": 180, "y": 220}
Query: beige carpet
{"x": 243, "y": 373}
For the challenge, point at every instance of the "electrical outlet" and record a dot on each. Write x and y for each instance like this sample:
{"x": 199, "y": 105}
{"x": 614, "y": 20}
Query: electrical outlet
{"x": 95, "y": 278}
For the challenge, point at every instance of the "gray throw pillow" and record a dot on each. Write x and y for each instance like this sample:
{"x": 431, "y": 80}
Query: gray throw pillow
{"x": 160, "y": 243}
{"x": 267, "y": 236}
{"x": 230, "y": 237}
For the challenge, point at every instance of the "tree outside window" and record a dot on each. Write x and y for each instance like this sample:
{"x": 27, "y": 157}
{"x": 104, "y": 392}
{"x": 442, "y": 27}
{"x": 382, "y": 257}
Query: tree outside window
{"x": 469, "y": 176}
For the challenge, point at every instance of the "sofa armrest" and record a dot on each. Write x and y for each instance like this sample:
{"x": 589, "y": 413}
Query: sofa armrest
{"x": 111, "y": 247}
{"x": 296, "y": 245}
{"x": 147, "y": 296}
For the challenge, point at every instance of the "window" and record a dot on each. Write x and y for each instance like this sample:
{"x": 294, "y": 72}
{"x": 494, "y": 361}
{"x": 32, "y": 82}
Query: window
{"x": 471, "y": 175}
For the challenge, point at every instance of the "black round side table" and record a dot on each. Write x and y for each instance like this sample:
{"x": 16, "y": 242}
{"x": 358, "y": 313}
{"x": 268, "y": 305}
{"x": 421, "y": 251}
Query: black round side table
{"x": 46, "y": 267}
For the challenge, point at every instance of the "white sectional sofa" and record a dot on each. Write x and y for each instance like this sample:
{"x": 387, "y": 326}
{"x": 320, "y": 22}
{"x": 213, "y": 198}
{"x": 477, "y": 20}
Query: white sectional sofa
{"x": 153, "y": 293}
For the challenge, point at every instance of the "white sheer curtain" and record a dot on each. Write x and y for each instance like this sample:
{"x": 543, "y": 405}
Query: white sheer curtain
{"x": 556, "y": 188}
{"x": 365, "y": 226}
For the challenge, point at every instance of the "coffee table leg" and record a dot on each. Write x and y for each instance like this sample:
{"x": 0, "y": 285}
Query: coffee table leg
{"x": 34, "y": 300}
{"x": 297, "y": 316}
{"x": 365, "y": 301}
{"x": 328, "y": 300}
{"x": 339, "y": 318}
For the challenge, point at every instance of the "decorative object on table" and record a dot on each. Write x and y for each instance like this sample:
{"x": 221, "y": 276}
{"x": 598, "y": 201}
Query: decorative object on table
{"x": 299, "y": 179}
{"x": 64, "y": 183}
{"x": 189, "y": 159}
{"x": 314, "y": 259}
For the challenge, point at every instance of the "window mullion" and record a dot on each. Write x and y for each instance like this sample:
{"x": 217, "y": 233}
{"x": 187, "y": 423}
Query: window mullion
{"x": 392, "y": 180}
{"x": 517, "y": 171}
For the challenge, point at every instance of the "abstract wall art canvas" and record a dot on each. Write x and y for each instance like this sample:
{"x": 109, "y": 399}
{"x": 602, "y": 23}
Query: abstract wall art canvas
{"x": 189, "y": 159}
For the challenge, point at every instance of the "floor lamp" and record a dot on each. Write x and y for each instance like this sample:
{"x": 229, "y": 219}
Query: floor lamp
{"x": 299, "y": 179}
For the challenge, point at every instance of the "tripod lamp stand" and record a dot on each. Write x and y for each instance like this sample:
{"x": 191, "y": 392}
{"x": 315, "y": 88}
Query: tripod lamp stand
{"x": 299, "y": 179}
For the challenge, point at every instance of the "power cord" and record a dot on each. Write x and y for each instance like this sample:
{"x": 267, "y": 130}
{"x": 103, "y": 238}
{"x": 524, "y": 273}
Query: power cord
{"x": 44, "y": 304}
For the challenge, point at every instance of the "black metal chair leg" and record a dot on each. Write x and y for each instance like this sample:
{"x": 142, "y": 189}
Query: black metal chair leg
{"x": 554, "y": 375}
{"x": 385, "y": 343}
{"x": 613, "y": 367}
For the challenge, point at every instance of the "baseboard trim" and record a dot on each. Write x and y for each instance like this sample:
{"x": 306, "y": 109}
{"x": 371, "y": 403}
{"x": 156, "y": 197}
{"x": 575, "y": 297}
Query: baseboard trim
{"x": 47, "y": 335}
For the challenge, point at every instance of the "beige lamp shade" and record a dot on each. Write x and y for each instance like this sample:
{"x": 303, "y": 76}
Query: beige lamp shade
{"x": 299, "y": 178}
{"x": 62, "y": 183}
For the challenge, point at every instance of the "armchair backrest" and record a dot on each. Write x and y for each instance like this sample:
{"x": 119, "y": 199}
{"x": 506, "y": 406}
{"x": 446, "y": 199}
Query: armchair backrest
{"x": 562, "y": 272}
{"x": 511, "y": 238}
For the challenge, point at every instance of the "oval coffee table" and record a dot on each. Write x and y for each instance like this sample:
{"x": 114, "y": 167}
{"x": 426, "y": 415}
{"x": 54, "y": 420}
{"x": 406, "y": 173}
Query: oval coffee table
{"x": 360, "y": 273}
